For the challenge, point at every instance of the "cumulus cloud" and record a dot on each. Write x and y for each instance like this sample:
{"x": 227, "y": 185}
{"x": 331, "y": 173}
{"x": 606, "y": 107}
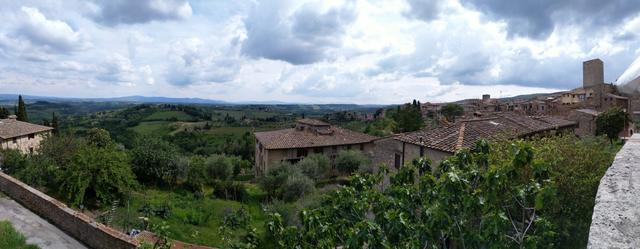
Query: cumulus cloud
{"x": 192, "y": 61}
{"x": 426, "y": 10}
{"x": 537, "y": 19}
{"x": 115, "y": 12}
{"x": 51, "y": 35}
{"x": 118, "y": 69}
{"x": 302, "y": 36}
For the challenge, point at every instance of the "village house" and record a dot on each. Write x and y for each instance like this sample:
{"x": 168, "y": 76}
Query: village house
{"x": 307, "y": 137}
{"x": 440, "y": 143}
{"x": 22, "y": 136}
{"x": 586, "y": 123}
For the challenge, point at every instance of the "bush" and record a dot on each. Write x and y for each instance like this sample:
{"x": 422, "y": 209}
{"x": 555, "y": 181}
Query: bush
{"x": 194, "y": 216}
{"x": 196, "y": 174}
{"x": 348, "y": 161}
{"x": 315, "y": 166}
{"x": 295, "y": 187}
{"x": 229, "y": 190}
{"x": 12, "y": 161}
{"x": 38, "y": 172}
{"x": 154, "y": 160}
{"x": 219, "y": 167}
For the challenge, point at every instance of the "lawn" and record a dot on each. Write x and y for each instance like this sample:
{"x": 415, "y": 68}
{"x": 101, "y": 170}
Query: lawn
{"x": 190, "y": 219}
{"x": 156, "y": 128}
{"x": 169, "y": 115}
{"x": 10, "y": 238}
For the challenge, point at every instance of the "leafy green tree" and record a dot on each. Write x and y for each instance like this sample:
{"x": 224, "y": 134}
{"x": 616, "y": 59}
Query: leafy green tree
{"x": 54, "y": 123}
{"x": 315, "y": 166}
{"x": 612, "y": 122}
{"x": 348, "y": 161}
{"x": 22, "y": 110}
{"x": 60, "y": 149}
{"x": 451, "y": 111}
{"x": 197, "y": 174}
{"x": 4, "y": 112}
{"x": 12, "y": 161}
{"x": 97, "y": 174}
{"x": 154, "y": 160}
{"x": 408, "y": 117}
{"x": 219, "y": 167}
{"x": 99, "y": 138}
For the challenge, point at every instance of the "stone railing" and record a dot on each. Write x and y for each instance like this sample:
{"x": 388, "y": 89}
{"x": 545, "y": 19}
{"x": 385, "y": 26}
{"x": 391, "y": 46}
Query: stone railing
{"x": 82, "y": 227}
{"x": 616, "y": 215}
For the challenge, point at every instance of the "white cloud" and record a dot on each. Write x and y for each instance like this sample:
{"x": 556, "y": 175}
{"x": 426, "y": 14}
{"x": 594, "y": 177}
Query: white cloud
{"x": 52, "y": 35}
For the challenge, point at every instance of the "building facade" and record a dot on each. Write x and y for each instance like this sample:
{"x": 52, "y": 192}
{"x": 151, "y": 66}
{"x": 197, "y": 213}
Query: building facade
{"x": 309, "y": 136}
{"x": 22, "y": 136}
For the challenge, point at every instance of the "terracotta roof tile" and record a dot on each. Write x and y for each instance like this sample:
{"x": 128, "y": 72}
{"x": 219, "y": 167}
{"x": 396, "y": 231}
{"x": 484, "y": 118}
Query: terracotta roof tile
{"x": 10, "y": 128}
{"x": 464, "y": 134}
{"x": 293, "y": 138}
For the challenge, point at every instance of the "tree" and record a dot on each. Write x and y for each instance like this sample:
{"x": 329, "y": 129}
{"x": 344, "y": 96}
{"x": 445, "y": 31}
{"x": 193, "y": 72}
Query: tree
{"x": 99, "y": 138}
{"x": 54, "y": 122}
{"x": 348, "y": 161}
{"x": 154, "y": 160}
{"x": 22, "y": 110}
{"x": 219, "y": 167}
{"x": 612, "y": 122}
{"x": 315, "y": 166}
{"x": 408, "y": 117}
{"x": 451, "y": 111}
{"x": 97, "y": 175}
{"x": 4, "y": 112}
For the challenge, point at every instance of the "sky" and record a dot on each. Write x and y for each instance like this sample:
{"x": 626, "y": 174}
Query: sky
{"x": 303, "y": 51}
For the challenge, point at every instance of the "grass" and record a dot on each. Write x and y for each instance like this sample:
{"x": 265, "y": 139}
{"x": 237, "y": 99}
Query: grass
{"x": 191, "y": 220}
{"x": 156, "y": 128}
{"x": 166, "y": 115}
{"x": 10, "y": 238}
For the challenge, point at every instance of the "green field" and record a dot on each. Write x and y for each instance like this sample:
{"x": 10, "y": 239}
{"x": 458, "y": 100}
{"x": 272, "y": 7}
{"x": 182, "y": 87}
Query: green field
{"x": 188, "y": 216}
{"x": 168, "y": 115}
{"x": 156, "y": 128}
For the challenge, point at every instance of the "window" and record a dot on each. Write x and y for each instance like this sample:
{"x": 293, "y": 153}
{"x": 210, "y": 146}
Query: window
{"x": 397, "y": 160}
{"x": 15, "y": 140}
{"x": 31, "y": 150}
{"x": 31, "y": 136}
{"x": 361, "y": 146}
{"x": 421, "y": 151}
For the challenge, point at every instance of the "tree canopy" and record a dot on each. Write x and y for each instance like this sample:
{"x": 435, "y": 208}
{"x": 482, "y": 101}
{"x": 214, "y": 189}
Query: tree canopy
{"x": 451, "y": 111}
{"x": 611, "y": 122}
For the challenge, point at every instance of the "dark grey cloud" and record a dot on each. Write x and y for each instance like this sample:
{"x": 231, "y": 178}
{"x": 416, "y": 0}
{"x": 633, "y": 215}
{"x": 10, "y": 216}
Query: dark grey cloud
{"x": 537, "y": 19}
{"x": 302, "y": 38}
{"x": 426, "y": 10}
{"x": 114, "y": 12}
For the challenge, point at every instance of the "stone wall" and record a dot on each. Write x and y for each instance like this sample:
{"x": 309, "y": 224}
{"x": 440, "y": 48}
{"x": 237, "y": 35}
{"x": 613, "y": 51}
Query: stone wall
{"x": 25, "y": 144}
{"x": 74, "y": 223}
{"x": 616, "y": 216}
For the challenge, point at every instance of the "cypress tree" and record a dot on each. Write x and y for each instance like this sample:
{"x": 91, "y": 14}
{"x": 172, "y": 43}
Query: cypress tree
{"x": 54, "y": 123}
{"x": 4, "y": 113}
{"x": 22, "y": 110}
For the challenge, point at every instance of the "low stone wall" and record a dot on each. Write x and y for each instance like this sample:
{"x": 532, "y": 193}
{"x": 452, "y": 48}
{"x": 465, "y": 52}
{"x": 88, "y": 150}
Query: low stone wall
{"x": 74, "y": 223}
{"x": 616, "y": 215}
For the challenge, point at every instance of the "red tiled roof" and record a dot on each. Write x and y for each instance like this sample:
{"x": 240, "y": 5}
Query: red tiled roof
{"x": 293, "y": 138}
{"x": 465, "y": 133}
{"x": 313, "y": 122}
{"x": 10, "y": 128}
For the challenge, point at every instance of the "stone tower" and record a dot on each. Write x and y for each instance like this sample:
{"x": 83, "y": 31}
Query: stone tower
{"x": 592, "y": 73}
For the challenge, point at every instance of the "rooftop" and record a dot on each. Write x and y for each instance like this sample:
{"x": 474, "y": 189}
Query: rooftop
{"x": 313, "y": 122}
{"x": 10, "y": 128}
{"x": 305, "y": 138}
{"x": 464, "y": 134}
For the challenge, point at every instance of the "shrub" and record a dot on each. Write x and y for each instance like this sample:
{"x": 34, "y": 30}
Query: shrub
{"x": 230, "y": 190}
{"x": 196, "y": 174}
{"x": 194, "y": 216}
{"x": 219, "y": 167}
{"x": 349, "y": 161}
{"x": 10, "y": 238}
{"x": 154, "y": 160}
{"x": 12, "y": 161}
{"x": 315, "y": 166}
{"x": 296, "y": 186}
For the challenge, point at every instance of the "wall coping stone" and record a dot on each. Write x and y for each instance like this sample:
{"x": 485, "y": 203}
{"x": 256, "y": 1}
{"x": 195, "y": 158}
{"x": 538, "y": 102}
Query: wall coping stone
{"x": 616, "y": 216}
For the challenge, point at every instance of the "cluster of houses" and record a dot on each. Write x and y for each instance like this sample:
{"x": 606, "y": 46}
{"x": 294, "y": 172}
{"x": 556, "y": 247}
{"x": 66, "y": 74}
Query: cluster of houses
{"x": 572, "y": 111}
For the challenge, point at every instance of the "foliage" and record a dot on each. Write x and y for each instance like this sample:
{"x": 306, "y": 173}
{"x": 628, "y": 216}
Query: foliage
{"x": 4, "y": 112}
{"x": 230, "y": 190}
{"x": 286, "y": 181}
{"x": 13, "y": 161}
{"x": 219, "y": 167}
{"x": 348, "y": 161}
{"x": 154, "y": 160}
{"x": 612, "y": 122}
{"x": 97, "y": 174}
{"x": 10, "y": 238}
{"x": 451, "y": 111}
{"x": 505, "y": 196}
{"x": 407, "y": 117}
{"x": 22, "y": 110}
{"x": 315, "y": 166}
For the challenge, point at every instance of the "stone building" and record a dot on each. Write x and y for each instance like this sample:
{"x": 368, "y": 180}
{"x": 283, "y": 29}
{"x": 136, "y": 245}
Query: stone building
{"x": 307, "y": 137}
{"x": 22, "y": 136}
{"x": 586, "y": 123}
{"x": 440, "y": 143}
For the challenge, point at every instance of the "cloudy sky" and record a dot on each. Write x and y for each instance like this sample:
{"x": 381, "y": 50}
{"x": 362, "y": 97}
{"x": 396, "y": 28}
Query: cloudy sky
{"x": 360, "y": 51}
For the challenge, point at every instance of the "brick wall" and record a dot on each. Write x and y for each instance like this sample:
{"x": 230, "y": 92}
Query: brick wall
{"x": 78, "y": 225}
